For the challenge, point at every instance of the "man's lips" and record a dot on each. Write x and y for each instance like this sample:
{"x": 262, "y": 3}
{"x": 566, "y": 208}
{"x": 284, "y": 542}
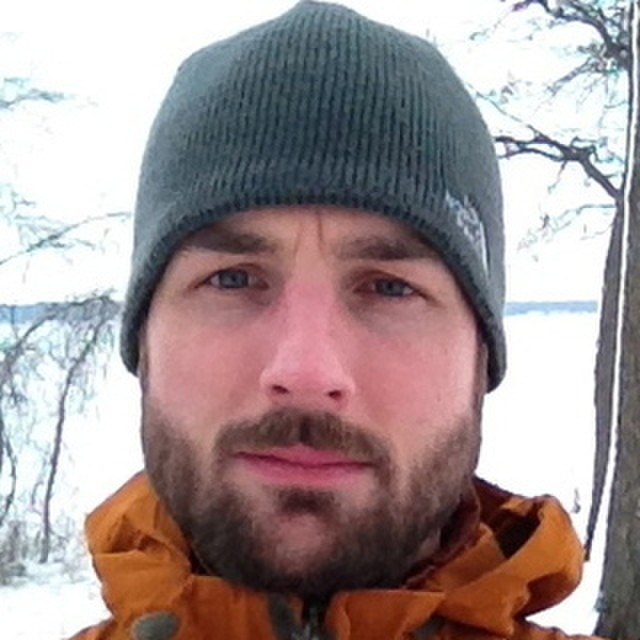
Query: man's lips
{"x": 302, "y": 465}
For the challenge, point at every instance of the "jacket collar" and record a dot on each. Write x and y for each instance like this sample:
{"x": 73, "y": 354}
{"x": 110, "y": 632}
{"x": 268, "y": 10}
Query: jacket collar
{"x": 521, "y": 557}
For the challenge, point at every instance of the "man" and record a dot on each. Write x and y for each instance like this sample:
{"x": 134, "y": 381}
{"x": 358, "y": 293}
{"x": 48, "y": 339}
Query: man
{"x": 314, "y": 313}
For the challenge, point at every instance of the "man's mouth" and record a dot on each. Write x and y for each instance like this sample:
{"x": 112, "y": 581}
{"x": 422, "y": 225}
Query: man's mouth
{"x": 301, "y": 465}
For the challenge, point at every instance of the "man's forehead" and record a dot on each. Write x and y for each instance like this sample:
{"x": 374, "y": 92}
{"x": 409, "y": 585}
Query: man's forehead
{"x": 351, "y": 234}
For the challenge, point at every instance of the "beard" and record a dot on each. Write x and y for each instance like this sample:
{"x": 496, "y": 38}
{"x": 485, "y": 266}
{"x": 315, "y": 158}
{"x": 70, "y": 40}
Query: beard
{"x": 371, "y": 544}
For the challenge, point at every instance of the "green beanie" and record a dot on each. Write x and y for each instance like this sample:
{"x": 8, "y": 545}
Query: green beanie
{"x": 323, "y": 106}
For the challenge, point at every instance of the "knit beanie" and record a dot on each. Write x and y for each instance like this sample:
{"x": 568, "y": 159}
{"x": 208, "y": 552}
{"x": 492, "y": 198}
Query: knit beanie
{"x": 322, "y": 106}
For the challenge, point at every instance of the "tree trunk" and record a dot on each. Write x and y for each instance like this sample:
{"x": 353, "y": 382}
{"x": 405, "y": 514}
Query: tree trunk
{"x": 606, "y": 360}
{"x": 620, "y": 591}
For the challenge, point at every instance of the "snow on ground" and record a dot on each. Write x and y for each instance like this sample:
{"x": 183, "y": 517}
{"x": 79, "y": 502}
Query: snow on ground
{"x": 539, "y": 433}
{"x": 52, "y": 603}
{"x": 538, "y": 439}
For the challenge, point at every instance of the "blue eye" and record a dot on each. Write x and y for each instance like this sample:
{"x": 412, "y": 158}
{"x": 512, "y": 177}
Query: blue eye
{"x": 392, "y": 288}
{"x": 230, "y": 279}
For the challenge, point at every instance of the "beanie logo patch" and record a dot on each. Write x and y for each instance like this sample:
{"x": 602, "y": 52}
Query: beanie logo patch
{"x": 468, "y": 221}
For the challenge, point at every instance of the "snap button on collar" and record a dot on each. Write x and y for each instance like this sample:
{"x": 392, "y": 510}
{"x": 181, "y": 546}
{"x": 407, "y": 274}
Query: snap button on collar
{"x": 161, "y": 625}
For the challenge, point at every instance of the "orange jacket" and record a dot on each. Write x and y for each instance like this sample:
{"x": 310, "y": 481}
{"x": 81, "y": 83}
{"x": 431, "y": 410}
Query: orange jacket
{"x": 523, "y": 557}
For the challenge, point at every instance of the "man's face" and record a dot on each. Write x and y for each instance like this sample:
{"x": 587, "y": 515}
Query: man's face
{"x": 312, "y": 388}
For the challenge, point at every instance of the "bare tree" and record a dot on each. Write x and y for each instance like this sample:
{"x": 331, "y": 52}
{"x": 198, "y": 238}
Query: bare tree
{"x": 617, "y": 395}
{"x": 617, "y": 375}
{"x": 619, "y": 611}
{"x": 49, "y": 355}
{"x": 603, "y": 62}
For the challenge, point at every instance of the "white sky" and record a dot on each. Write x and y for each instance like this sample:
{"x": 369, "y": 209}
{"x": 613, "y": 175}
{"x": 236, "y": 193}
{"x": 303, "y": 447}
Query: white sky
{"x": 119, "y": 57}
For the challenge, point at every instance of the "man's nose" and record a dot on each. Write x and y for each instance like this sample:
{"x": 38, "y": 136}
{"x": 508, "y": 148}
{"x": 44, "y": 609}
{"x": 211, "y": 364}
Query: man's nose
{"x": 307, "y": 367}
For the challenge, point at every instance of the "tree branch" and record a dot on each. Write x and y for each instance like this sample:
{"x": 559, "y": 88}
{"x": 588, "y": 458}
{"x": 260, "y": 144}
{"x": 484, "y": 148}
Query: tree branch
{"x": 98, "y": 320}
{"x": 9, "y": 498}
{"x": 57, "y": 440}
{"x": 611, "y": 30}
{"x": 52, "y": 239}
{"x": 552, "y": 149}
{"x": 19, "y": 91}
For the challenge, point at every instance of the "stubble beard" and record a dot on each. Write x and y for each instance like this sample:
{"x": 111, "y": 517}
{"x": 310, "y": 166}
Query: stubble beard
{"x": 373, "y": 546}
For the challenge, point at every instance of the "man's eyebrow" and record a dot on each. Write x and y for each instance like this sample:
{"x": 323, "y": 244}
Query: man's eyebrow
{"x": 373, "y": 247}
{"x": 222, "y": 239}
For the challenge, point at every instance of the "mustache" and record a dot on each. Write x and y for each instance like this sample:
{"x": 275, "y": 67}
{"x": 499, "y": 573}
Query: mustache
{"x": 318, "y": 430}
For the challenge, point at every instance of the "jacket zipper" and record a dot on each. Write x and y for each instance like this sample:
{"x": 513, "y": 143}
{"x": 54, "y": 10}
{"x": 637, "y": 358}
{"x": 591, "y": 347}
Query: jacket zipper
{"x": 286, "y": 627}
{"x": 312, "y": 617}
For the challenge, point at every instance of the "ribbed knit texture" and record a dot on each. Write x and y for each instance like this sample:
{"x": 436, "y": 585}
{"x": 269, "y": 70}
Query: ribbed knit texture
{"x": 322, "y": 106}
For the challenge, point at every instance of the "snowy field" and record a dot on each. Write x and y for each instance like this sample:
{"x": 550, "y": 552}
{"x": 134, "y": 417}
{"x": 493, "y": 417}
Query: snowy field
{"x": 538, "y": 439}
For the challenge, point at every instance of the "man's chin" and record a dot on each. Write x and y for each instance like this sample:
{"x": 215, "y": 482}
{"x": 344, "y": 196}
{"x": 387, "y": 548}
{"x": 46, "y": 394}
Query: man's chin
{"x": 295, "y": 528}
{"x": 298, "y": 542}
